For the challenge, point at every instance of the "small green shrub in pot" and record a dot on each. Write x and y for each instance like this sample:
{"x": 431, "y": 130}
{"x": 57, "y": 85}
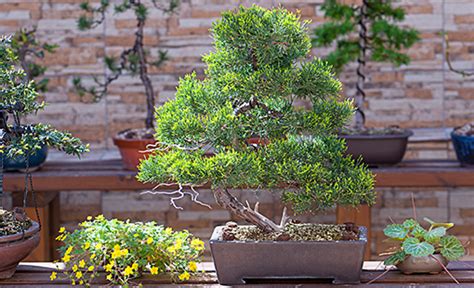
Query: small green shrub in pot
{"x": 125, "y": 250}
{"x": 412, "y": 240}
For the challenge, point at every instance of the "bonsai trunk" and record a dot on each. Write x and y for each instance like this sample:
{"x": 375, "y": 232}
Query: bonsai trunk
{"x": 245, "y": 212}
{"x": 150, "y": 94}
{"x": 360, "y": 94}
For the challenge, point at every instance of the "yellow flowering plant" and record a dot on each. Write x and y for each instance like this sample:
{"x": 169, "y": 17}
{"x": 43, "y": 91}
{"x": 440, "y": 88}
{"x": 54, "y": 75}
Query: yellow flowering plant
{"x": 126, "y": 250}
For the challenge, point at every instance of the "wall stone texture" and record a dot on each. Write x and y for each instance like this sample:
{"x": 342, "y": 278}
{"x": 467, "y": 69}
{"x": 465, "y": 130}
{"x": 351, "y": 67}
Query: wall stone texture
{"x": 424, "y": 95}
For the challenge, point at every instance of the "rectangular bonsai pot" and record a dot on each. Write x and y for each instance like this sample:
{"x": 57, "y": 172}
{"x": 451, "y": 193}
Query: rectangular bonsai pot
{"x": 240, "y": 262}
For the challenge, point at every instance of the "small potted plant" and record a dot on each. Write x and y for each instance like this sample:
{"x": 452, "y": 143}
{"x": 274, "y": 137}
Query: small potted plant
{"x": 255, "y": 74}
{"x": 25, "y": 45}
{"x": 461, "y": 137}
{"x": 418, "y": 250}
{"x": 136, "y": 61}
{"x": 18, "y": 234}
{"x": 125, "y": 251}
{"x": 362, "y": 32}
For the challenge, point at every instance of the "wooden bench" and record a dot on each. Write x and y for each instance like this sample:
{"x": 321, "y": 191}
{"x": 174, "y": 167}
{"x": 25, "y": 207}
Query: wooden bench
{"x": 109, "y": 175}
{"x": 37, "y": 275}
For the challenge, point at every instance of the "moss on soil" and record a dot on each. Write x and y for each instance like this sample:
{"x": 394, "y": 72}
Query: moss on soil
{"x": 294, "y": 232}
{"x": 13, "y": 222}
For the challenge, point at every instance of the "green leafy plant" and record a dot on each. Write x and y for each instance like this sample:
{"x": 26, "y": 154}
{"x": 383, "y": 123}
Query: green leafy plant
{"x": 18, "y": 99}
{"x": 26, "y": 46}
{"x": 414, "y": 240}
{"x": 126, "y": 250}
{"x": 254, "y": 76}
{"x": 135, "y": 59}
{"x": 364, "y": 32}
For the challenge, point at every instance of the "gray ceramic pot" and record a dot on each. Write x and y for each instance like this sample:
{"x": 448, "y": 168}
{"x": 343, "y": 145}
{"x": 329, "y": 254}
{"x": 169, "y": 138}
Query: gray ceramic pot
{"x": 239, "y": 262}
{"x": 14, "y": 248}
{"x": 378, "y": 149}
{"x": 415, "y": 265}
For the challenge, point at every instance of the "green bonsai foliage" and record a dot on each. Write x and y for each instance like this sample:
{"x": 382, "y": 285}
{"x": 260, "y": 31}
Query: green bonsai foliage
{"x": 412, "y": 239}
{"x": 357, "y": 30}
{"x": 25, "y": 45}
{"x": 254, "y": 76}
{"x": 134, "y": 60}
{"x": 18, "y": 99}
{"x": 126, "y": 251}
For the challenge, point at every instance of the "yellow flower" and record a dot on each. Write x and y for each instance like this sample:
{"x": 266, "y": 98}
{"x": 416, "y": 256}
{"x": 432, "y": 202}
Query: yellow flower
{"x": 108, "y": 267}
{"x": 89, "y": 218}
{"x": 92, "y": 256}
{"x": 81, "y": 282}
{"x": 73, "y": 282}
{"x": 109, "y": 277}
{"x": 74, "y": 268}
{"x": 86, "y": 246}
{"x": 184, "y": 276}
{"x": 53, "y": 276}
{"x": 100, "y": 217}
{"x": 78, "y": 274}
{"x": 128, "y": 271}
{"x": 197, "y": 244}
{"x": 149, "y": 240}
{"x": 135, "y": 266}
{"x": 116, "y": 247}
{"x": 115, "y": 254}
{"x": 168, "y": 230}
{"x": 135, "y": 235}
{"x": 124, "y": 252}
{"x": 154, "y": 270}
{"x": 178, "y": 244}
{"x": 171, "y": 249}
{"x": 69, "y": 250}
{"x": 62, "y": 230}
{"x": 66, "y": 258}
{"x": 98, "y": 246}
{"x": 82, "y": 263}
{"x": 91, "y": 268}
{"x": 192, "y": 266}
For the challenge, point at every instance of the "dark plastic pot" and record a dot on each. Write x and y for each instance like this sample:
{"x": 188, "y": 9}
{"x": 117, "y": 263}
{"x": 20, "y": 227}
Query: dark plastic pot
{"x": 464, "y": 147}
{"x": 131, "y": 151}
{"x": 36, "y": 160}
{"x": 378, "y": 149}
{"x": 240, "y": 262}
{"x": 14, "y": 248}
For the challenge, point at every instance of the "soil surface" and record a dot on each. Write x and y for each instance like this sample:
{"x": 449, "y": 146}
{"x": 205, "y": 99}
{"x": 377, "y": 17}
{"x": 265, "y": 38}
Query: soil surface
{"x": 373, "y": 131}
{"x": 141, "y": 133}
{"x": 13, "y": 222}
{"x": 292, "y": 232}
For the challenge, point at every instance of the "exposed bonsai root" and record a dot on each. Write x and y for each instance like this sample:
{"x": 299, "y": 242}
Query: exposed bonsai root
{"x": 228, "y": 201}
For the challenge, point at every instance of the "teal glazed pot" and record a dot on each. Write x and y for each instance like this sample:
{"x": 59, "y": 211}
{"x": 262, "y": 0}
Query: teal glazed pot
{"x": 36, "y": 160}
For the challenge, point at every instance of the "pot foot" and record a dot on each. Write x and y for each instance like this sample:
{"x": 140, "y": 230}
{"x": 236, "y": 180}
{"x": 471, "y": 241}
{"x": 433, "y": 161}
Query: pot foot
{"x": 7, "y": 272}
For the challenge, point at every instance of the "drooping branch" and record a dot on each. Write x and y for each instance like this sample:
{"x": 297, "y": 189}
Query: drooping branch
{"x": 448, "y": 60}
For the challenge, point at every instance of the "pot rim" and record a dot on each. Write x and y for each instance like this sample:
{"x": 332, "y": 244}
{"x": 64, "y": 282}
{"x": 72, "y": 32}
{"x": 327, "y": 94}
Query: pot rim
{"x": 407, "y": 133}
{"x": 215, "y": 238}
{"x": 19, "y": 236}
{"x": 453, "y": 134}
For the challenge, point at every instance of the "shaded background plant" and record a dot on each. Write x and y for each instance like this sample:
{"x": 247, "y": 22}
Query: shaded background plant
{"x": 255, "y": 75}
{"x": 134, "y": 60}
{"x": 361, "y": 32}
{"x": 127, "y": 250}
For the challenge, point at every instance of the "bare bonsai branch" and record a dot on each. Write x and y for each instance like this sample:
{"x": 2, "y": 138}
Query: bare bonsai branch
{"x": 253, "y": 103}
{"x": 178, "y": 194}
{"x": 448, "y": 60}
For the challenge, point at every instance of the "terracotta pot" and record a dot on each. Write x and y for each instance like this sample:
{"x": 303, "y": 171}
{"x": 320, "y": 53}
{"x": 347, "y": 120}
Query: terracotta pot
{"x": 378, "y": 149}
{"x": 14, "y": 248}
{"x": 415, "y": 265}
{"x": 130, "y": 151}
{"x": 240, "y": 262}
{"x": 258, "y": 141}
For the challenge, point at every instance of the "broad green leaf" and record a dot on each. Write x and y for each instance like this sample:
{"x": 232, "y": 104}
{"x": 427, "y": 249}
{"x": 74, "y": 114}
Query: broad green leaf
{"x": 414, "y": 247}
{"x": 410, "y": 223}
{"x": 451, "y": 248}
{"x": 395, "y": 258}
{"x": 434, "y": 235}
{"x": 396, "y": 231}
{"x": 419, "y": 232}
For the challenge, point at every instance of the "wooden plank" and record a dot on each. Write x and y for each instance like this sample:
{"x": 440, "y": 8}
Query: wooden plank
{"x": 360, "y": 215}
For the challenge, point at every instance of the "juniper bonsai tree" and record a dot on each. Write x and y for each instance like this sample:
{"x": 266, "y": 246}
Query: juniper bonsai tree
{"x": 253, "y": 78}
{"x": 368, "y": 31}
{"x": 18, "y": 99}
{"x": 135, "y": 59}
